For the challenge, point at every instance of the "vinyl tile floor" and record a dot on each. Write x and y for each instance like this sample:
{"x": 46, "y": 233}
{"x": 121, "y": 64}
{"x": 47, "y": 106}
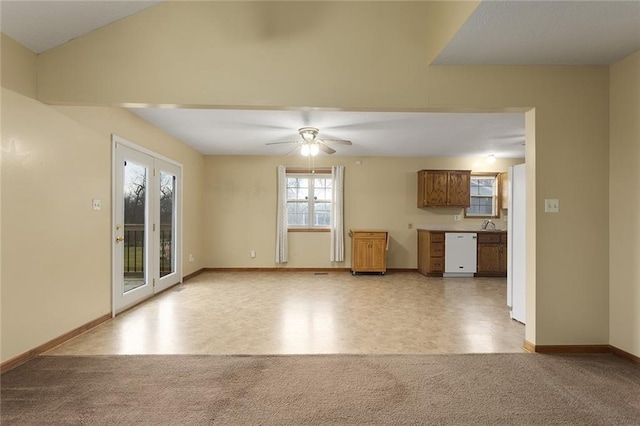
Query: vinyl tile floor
{"x": 312, "y": 313}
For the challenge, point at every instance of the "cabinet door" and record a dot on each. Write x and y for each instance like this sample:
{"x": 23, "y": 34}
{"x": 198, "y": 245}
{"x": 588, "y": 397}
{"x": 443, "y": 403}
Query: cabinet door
{"x": 459, "y": 187}
{"x": 504, "y": 190}
{"x": 436, "y": 188}
{"x": 489, "y": 258}
{"x": 377, "y": 254}
{"x": 503, "y": 258}
{"x": 360, "y": 254}
{"x": 423, "y": 252}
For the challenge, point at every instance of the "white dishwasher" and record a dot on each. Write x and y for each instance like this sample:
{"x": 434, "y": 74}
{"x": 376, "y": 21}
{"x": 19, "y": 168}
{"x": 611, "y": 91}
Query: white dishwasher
{"x": 460, "y": 254}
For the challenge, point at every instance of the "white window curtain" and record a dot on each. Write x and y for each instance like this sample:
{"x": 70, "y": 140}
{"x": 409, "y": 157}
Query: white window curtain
{"x": 282, "y": 245}
{"x": 337, "y": 214}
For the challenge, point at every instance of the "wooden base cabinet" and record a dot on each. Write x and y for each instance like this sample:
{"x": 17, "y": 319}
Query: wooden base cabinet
{"x": 431, "y": 253}
{"x": 492, "y": 254}
{"x": 369, "y": 250}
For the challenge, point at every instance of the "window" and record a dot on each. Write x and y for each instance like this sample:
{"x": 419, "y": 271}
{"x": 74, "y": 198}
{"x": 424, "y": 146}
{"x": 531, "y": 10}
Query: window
{"x": 309, "y": 200}
{"x": 484, "y": 196}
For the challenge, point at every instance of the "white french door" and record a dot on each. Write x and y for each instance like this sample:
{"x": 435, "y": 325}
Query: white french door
{"x": 167, "y": 222}
{"x": 146, "y": 224}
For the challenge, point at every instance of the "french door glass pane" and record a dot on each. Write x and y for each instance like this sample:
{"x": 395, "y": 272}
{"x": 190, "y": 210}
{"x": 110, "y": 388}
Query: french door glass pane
{"x": 167, "y": 215}
{"x": 135, "y": 216}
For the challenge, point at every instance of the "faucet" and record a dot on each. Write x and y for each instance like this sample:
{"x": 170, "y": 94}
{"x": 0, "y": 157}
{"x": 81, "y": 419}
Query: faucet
{"x": 488, "y": 222}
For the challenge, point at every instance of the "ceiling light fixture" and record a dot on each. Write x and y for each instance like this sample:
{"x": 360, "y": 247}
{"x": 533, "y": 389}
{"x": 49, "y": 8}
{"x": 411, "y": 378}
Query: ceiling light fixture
{"x": 308, "y": 133}
{"x": 309, "y": 149}
{"x": 491, "y": 158}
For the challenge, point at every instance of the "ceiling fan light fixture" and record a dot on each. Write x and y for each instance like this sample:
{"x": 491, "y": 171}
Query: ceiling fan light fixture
{"x": 308, "y": 134}
{"x": 309, "y": 149}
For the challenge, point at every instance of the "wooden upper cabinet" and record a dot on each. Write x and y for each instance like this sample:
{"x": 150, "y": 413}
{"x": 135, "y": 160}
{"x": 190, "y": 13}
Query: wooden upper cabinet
{"x": 504, "y": 190}
{"x": 435, "y": 188}
{"x": 444, "y": 188}
{"x": 459, "y": 189}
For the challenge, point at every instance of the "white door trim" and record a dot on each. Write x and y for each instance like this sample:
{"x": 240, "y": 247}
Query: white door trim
{"x": 115, "y": 139}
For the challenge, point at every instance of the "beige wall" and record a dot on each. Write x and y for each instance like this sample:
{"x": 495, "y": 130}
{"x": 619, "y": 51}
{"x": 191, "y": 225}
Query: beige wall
{"x": 248, "y": 53}
{"x": 19, "y": 72}
{"x": 240, "y": 206}
{"x": 624, "y": 197}
{"x": 56, "y": 250}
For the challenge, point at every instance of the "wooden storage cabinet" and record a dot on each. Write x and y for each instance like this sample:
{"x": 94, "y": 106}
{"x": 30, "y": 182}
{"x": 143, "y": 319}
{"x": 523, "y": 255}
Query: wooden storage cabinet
{"x": 444, "y": 188}
{"x": 504, "y": 190}
{"x": 492, "y": 254}
{"x": 431, "y": 253}
{"x": 369, "y": 250}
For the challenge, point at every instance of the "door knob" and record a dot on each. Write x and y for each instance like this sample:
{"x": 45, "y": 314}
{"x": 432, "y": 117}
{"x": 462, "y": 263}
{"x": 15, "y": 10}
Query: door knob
{"x": 119, "y": 239}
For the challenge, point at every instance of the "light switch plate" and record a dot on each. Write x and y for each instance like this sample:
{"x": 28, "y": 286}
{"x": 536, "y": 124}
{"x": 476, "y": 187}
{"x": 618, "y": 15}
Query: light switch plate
{"x": 551, "y": 205}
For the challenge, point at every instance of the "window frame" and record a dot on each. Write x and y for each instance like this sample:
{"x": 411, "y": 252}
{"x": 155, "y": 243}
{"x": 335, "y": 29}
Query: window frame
{"x": 495, "y": 196}
{"x": 311, "y": 175}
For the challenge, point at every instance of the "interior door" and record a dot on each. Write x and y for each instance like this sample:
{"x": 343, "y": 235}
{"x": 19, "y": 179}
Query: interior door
{"x": 133, "y": 263}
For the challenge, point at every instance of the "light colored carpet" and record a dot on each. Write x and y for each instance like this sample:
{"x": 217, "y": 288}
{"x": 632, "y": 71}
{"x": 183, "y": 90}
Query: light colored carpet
{"x": 323, "y": 389}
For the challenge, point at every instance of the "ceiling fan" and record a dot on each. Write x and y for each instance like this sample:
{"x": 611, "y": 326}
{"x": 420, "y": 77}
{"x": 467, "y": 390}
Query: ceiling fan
{"x": 310, "y": 145}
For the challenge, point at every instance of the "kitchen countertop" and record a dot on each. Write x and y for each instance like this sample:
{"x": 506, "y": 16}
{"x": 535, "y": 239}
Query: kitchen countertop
{"x": 454, "y": 228}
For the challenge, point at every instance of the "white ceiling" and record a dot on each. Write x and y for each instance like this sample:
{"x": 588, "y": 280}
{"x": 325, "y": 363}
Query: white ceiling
{"x": 41, "y": 25}
{"x": 512, "y": 32}
{"x": 381, "y": 134}
{"x": 546, "y": 33}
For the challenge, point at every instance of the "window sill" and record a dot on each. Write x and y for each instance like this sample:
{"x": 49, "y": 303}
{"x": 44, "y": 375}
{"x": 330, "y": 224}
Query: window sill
{"x": 309, "y": 230}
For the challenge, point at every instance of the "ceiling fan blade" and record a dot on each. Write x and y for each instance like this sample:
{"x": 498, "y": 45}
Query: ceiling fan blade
{"x": 293, "y": 151}
{"x": 325, "y": 148}
{"x": 279, "y": 143}
{"x": 336, "y": 141}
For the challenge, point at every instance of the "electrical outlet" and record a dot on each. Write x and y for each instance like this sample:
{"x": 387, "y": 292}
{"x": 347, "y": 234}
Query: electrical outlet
{"x": 96, "y": 204}
{"x": 457, "y": 217}
{"x": 191, "y": 259}
{"x": 252, "y": 253}
{"x": 551, "y": 205}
